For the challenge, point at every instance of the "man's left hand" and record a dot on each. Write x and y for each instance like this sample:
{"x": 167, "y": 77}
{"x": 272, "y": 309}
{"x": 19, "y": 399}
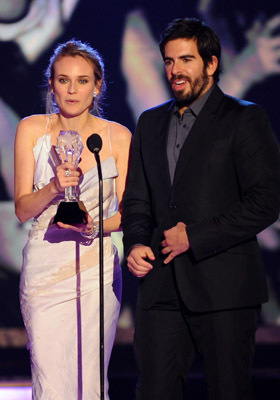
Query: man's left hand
{"x": 176, "y": 241}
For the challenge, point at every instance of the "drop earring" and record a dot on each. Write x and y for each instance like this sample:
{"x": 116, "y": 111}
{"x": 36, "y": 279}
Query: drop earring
{"x": 94, "y": 94}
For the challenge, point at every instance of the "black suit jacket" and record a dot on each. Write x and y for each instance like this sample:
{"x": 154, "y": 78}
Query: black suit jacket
{"x": 226, "y": 189}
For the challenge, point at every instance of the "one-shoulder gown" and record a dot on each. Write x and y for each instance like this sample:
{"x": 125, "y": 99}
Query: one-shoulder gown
{"x": 59, "y": 290}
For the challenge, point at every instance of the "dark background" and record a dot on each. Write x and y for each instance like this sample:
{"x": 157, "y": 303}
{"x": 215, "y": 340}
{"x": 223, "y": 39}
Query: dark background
{"x": 103, "y": 24}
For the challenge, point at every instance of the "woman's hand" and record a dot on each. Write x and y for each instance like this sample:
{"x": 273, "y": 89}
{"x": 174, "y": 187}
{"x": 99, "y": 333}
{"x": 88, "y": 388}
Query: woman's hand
{"x": 66, "y": 175}
{"x": 80, "y": 228}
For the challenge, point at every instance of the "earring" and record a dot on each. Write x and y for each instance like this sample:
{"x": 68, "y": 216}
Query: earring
{"x": 94, "y": 94}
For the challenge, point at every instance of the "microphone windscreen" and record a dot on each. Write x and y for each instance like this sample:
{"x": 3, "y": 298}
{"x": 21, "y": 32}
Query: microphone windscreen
{"x": 94, "y": 143}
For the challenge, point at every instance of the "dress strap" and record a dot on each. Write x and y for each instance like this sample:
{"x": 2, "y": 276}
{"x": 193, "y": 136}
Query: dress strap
{"x": 109, "y": 139}
{"x": 111, "y": 153}
{"x": 47, "y": 125}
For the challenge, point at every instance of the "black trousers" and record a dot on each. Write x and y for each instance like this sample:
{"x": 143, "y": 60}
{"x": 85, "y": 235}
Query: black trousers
{"x": 166, "y": 342}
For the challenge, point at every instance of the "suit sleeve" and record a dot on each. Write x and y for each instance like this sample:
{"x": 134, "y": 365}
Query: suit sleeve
{"x": 257, "y": 168}
{"x": 137, "y": 219}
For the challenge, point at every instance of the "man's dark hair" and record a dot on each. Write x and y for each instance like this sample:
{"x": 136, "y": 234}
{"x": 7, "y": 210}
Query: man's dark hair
{"x": 208, "y": 43}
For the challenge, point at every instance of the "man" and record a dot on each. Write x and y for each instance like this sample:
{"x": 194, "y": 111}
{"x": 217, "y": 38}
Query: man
{"x": 204, "y": 179}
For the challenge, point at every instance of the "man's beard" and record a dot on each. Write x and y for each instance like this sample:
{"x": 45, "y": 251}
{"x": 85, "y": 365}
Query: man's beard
{"x": 196, "y": 88}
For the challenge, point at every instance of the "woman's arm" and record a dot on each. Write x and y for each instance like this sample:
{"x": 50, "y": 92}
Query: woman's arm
{"x": 28, "y": 204}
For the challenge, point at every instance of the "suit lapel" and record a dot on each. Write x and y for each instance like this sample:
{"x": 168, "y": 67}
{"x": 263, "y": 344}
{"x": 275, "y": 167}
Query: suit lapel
{"x": 161, "y": 142}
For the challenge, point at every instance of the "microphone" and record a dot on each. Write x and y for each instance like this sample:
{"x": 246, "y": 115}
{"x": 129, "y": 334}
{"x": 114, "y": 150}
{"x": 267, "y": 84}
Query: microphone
{"x": 94, "y": 143}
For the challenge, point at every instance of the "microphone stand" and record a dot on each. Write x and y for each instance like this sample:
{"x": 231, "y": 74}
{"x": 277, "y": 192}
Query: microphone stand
{"x": 101, "y": 277}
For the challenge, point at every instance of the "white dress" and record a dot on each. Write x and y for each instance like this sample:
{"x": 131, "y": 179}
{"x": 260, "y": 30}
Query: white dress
{"x": 59, "y": 290}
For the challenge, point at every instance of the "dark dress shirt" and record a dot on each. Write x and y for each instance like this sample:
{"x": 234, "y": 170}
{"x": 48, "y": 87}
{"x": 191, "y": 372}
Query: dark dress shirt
{"x": 179, "y": 128}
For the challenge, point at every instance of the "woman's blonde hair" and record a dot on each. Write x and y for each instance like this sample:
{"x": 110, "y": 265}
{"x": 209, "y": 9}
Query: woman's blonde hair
{"x": 75, "y": 48}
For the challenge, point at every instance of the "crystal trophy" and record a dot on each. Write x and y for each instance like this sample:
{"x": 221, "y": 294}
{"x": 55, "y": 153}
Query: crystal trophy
{"x": 69, "y": 148}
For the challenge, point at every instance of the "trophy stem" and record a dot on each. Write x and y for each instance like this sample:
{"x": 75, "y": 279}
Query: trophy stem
{"x": 70, "y": 194}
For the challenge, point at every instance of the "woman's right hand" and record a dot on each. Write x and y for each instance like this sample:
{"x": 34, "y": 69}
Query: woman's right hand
{"x": 66, "y": 175}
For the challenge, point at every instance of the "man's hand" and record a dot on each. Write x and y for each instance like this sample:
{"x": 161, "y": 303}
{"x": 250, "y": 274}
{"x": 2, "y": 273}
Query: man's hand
{"x": 176, "y": 241}
{"x": 136, "y": 261}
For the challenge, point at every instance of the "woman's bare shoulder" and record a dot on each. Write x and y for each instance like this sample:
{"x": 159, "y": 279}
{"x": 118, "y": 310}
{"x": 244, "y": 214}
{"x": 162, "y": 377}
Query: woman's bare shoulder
{"x": 119, "y": 131}
{"x": 33, "y": 122}
{"x": 31, "y": 128}
{"x": 34, "y": 126}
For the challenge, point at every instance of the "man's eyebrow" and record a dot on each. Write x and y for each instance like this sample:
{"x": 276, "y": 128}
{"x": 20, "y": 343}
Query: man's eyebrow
{"x": 187, "y": 56}
{"x": 180, "y": 57}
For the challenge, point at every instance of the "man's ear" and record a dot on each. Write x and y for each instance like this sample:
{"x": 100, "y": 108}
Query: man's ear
{"x": 212, "y": 66}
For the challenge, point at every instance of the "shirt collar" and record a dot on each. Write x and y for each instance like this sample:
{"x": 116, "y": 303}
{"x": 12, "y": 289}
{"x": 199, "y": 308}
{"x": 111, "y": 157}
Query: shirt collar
{"x": 197, "y": 106}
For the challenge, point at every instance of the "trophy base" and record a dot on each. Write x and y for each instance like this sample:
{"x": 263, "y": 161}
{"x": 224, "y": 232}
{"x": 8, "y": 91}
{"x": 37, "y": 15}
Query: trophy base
{"x": 71, "y": 213}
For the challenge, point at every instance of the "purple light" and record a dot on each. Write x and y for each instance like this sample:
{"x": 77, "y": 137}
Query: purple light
{"x": 15, "y": 393}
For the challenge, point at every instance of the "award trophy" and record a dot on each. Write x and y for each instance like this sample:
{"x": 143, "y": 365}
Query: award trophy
{"x": 70, "y": 211}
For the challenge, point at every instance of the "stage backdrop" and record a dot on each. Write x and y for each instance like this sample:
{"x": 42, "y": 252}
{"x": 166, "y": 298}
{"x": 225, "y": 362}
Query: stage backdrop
{"x": 126, "y": 34}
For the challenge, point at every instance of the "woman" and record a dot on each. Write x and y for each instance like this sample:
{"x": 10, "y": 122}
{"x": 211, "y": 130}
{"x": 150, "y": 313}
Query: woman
{"x": 59, "y": 281}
